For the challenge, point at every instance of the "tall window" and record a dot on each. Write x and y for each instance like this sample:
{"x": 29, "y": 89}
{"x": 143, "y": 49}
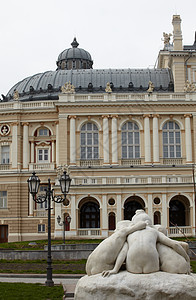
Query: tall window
{"x": 130, "y": 140}
{"x": 43, "y": 155}
{"x": 3, "y": 199}
{"x": 42, "y": 190}
{"x": 171, "y": 140}
{"x": 89, "y": 139}
{"x": 5, "y": 154}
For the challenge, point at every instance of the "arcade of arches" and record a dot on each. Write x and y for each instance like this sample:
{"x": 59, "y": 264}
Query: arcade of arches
{"x": 89, "y": 212}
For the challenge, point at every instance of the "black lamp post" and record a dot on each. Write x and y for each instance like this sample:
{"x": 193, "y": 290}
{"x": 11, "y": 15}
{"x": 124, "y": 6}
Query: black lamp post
{"x": 68, "y": 219}
{"x": 33, "y": 184}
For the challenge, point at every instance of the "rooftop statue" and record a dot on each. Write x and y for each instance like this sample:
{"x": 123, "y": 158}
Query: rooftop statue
{"x": 166, "y": 38}
{"x": 150, "y": 87}
{"x": 145, "y": 248}
{"x": 16, "y": 95}
{"x": 108, "y": 88}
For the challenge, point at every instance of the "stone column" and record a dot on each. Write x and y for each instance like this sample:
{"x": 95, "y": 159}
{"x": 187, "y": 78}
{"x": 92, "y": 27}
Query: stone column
{"x": 164, "y": 211}
{"x": 57, "y": 143}
{"x": 15, "y": 145}
{"x": 119, "y": 208}
{"x": 104, "y": 212}
{"x": 62, "y": 139}
{"x": 53, "y": 152}
{"x": 155, "y": 139}
{"x": 147, "y": 146}
{"x": 105, "y": 140}
{"x": 114, "y": 141}
{"x": 188, "y": 140}
{"x": 72, "y": 140}
{"x": 150, "y": 210}
{"x": 32, "y": 151}
{"x": 73, "y": 213}
{"x": 25, "y": 145}
{"x": 31, "y": 205}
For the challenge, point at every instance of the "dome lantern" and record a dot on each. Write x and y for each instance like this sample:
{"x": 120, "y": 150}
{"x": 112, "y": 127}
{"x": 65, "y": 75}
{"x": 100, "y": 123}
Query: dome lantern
{"x": 74, "y": 58}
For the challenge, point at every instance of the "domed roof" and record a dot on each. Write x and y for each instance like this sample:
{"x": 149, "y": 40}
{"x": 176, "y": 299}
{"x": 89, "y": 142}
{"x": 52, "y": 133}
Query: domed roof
{"x": 74, "y": 58}
{"x": 47, "y": 85}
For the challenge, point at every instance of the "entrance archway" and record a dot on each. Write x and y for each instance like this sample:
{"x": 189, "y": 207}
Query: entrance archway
{"x": 3, "y": 233}
{"x": 112, "y": 221}
{"x": 89, "y": 213}
{"x": 131, "y": 205}
{"x": 179, "y": 211}
{"x": 157, "y": 218}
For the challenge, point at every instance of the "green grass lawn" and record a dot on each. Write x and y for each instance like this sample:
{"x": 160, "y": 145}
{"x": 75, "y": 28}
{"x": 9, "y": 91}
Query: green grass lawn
{"x": 39, "y": 266}
{"x": 25, "y": 291}
{"x": 41, "y": 243}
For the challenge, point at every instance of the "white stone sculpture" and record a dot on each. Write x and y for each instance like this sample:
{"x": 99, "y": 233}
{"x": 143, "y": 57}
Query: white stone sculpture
{"x": 150, "y": 258}
{"x": 136, "y": 241}
{"x": 112, "y": 250}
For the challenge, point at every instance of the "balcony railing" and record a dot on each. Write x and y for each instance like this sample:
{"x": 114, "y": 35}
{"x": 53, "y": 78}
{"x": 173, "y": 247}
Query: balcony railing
{"x": 172, "y": 161}
{"x": 5, "y": 167}
{"x": 89, "y": 232}
{"x": 90, "y": 162}
{"x": 41, "y": 166}
{"x": 95, "y": 180}
{"x": 180, "y": 231}
{"x": 130, "y": 162}
{"x": 41, "y": 213}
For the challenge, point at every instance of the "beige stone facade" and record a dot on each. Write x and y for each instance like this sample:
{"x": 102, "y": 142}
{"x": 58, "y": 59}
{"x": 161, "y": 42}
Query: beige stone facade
{"x": 143, "y": 148}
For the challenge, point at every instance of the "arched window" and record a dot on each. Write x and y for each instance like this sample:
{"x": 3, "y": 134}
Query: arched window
{"x": 130, "y": 140}
{"x": 89, "y": 141}
{"x": 171, "y": 140}
{"x": 89, "y": 215}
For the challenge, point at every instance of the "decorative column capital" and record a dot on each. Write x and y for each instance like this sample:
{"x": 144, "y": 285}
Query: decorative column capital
{"x": 72, "y": 117}
{"x": 146, "y": 116}
{"x": 155, "y": 116}
{"x": 188, "y": 115}
{"x": 15, "y": 123}
{"x": 25, "y": 124}
{"x": 56, "y": 122}
{"x": 105, "y": 116}
{"x": 114, "y": 116}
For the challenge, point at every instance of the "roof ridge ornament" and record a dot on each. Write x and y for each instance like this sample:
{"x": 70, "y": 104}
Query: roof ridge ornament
{"x": 150, "y": 87}
{"x": 74, "y": 44}
{"x": 189, "y": 87}
{"x": 68, "y": 88}
{"x": 16, "y": 95}
{"x": 108, "y": 88}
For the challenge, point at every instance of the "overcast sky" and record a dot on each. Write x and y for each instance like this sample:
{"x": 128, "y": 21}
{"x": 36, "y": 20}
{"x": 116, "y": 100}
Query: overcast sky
{"x": 117, "y": 34}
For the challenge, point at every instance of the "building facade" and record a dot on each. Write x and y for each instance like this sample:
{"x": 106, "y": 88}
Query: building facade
{"x": 126, "y": 136}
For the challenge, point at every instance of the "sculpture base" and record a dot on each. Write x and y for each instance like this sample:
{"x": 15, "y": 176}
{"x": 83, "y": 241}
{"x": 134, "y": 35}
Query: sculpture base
{"x": 126, "y": 286}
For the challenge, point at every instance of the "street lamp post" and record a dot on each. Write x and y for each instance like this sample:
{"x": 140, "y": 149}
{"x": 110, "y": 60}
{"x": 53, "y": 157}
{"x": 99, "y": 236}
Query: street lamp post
{"x": 33, "y": 184}
{"x": 68, "y": 218}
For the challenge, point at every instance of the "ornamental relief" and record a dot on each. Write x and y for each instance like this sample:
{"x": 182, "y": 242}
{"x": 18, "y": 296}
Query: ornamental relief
{"x": 4, "y": 129}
